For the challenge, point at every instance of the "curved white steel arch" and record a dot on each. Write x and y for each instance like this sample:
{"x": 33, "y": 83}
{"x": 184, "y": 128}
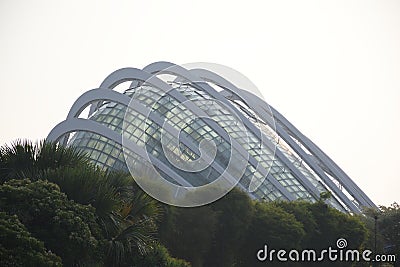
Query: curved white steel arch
{"x": 118, "y": 77}
{"x": 90, "y": 97}
{"x": 93, "y": 95}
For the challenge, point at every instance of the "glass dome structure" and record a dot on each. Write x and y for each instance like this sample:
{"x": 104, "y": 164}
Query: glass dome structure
{"x": 272, "y": 159}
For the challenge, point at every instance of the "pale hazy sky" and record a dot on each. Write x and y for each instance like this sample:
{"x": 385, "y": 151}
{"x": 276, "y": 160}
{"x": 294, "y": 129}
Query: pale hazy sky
{"x": 331, "y": 67}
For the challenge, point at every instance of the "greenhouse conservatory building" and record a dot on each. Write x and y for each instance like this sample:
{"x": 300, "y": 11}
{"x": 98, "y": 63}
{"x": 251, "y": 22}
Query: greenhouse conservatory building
{"x": 193, "y": 127}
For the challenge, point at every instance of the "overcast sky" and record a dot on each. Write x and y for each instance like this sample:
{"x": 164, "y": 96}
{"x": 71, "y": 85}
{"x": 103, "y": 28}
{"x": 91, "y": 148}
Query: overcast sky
{"x": 332, "y": 68}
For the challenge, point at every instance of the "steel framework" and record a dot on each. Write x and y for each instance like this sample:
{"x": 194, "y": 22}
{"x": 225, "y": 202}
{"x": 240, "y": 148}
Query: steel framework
{"x": 282, "y": 162}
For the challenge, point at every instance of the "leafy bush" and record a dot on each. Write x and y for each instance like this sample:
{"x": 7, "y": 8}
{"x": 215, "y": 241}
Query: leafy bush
{"x": 19, "y": 248}
{"x": 67, "y": 228}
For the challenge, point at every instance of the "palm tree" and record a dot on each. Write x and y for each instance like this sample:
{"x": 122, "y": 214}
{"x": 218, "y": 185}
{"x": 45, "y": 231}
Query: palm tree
{"x": 125, "y": 213}
{"x": 138, "y": 217}
{"x": 23, "y": 159}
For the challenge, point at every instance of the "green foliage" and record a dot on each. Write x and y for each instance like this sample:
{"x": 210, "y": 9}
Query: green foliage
{"x": 234, "y": 213}
{"x": 239, "y": 227}
{"x": 159, "y": 257}
{"x": 135, "y": 233}
{"x": 23, "y": 159}
{"x": 189, "y": 233}
{"x": 67, "y": 228}
{"x": 325, "y": 195}
{"x": 127, "y": 215}
{"x": 88, "y": 185}
{"x": 333, "y": 224}
{"x": 324, "y": 225}
{"x": 90, "y": 217}
{"x": 367, "y": 218}
{"x": 119, "y": 222}
{"x": 272, "y": 225}
{"x": 303, "y": 213}
{"x": 19, "y": 248}
{"x": 389, "y": 227}
{"x": 387, "y": 223}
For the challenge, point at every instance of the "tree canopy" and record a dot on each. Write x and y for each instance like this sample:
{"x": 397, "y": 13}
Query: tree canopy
{"x": 230, "y": 231}
{"x": 82, "y": 214}
{"x": 56, "y": 208}
{"x": 19, "y": 248}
